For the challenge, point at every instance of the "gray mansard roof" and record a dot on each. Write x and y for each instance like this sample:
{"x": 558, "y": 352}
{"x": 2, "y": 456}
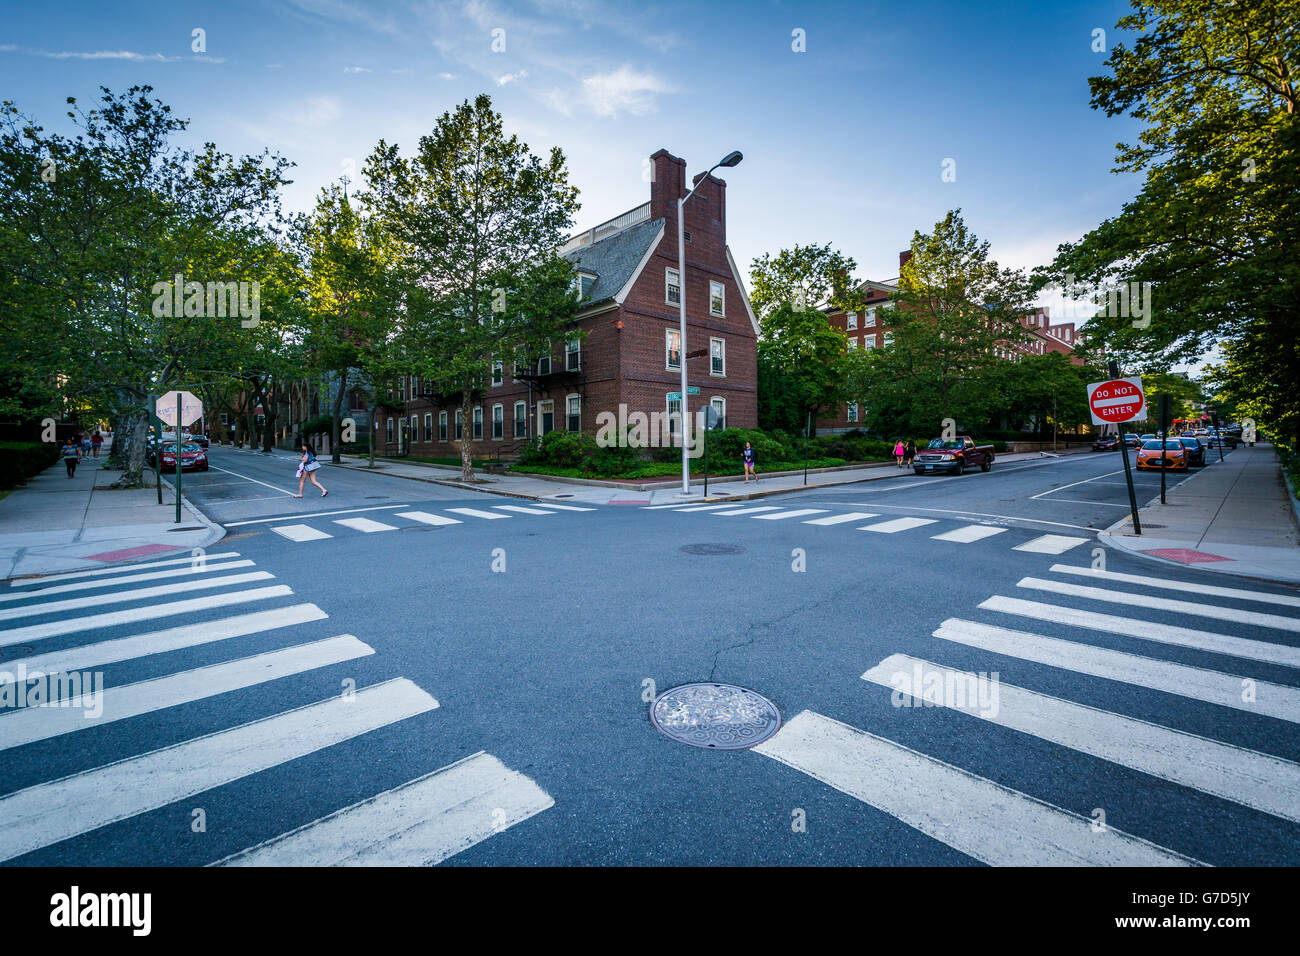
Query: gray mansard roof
{"x": 614, "y": 260}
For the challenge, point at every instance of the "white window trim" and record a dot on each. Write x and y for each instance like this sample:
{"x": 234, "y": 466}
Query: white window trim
{"x": 851, "y": 413}
{"x": 516, "y": 408}
{"x": 713, "y": 402}
{"x": 869, "y": 318}
{"x": 853, "y": 341}
{"x": 476, "y": 423}
{"x": 722, "y": 354}
{"x": 498, "y": 407}
{"x": 442, "y": 425}
{"x": 542, "y": 407}
{"x": 673, "y": 423}
{"x": 573, "y": 347}
{"x": 668, "y": 338}
{"x": 567, "y": 399}
{"x": 722, "y": 291}
{"x": 668, "y": 284}
{"x": 850, "y": 321}
{"x": 428, "y": 426}
{"x": 498, "y": 372}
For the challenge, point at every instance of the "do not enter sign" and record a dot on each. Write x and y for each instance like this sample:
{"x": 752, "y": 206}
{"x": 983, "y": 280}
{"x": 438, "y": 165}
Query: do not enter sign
{"x": 1119, "y": 400}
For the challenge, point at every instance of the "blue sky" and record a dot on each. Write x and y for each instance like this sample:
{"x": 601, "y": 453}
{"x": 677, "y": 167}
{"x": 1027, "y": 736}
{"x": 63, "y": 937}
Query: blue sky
{"x": 844, "y": 143}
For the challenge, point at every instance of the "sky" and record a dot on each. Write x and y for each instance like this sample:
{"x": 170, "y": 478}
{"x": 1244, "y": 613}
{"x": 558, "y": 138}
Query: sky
{"x": 848, "y": 114}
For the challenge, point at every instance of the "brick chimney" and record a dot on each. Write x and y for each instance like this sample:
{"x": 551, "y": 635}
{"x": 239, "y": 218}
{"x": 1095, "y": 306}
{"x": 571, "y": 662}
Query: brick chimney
{"x": 711, "y": 217}
{"x": 903, "y": 258}
{"x": 667, "y": 186}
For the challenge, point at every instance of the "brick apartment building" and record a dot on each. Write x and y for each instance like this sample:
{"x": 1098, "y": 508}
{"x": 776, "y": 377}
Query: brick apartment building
{"x": 866, "y": 329}
{"x": 631, "y": 352}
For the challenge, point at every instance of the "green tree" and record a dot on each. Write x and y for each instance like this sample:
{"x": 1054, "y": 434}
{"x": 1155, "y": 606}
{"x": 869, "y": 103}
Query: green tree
{"x": 477, "y": 220}
{"x": 1216, "y": 224}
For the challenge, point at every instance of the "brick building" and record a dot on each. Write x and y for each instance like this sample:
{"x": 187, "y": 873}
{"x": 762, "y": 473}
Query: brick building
{"x": 866, "y": 329}
{"x": 630, "y": 354}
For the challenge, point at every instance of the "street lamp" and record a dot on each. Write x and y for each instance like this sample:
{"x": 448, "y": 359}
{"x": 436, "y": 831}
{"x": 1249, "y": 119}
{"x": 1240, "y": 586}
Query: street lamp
{"x": 733, "y": 158}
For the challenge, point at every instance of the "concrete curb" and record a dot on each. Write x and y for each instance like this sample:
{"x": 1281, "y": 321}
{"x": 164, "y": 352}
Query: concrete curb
{"x": 215, "y": 530}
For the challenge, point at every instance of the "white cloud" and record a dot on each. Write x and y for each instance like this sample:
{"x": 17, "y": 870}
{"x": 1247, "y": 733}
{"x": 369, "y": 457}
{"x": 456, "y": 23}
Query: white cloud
{"x": 622, "y": 91}
{"x": 444, "y": 76}
{"x": 96, "y": 55}
{"x": 357, "y": 69}
{"x": 318, "y": 111}
{"x": 511, "y": 77}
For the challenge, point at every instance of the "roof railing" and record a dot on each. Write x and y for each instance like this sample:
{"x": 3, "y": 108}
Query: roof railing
{"x": 605, "y": 229}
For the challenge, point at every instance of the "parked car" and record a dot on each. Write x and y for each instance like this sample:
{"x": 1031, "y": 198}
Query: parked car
{"x": 953, "y": 456}
{"x": 193, "y": 458}
{"x": 1195, "y": 451}
{"x": 1109, "y": 443}
{"x": 1172, "y": 452}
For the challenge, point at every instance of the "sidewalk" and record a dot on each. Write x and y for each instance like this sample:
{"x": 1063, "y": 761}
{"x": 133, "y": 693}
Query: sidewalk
{"x": 730, "y": 488}
{"x": 1235, "y": 517}
{"x": 55, "y": 524}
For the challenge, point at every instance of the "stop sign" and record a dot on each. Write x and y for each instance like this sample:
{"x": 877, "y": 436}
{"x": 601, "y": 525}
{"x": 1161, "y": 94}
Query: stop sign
{"x": 1116, "y": 401}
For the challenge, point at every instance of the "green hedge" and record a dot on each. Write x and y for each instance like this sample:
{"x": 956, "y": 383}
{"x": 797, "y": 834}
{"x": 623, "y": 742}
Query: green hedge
{"x": 647, "y": 470}
{"x": 20, "y": 460}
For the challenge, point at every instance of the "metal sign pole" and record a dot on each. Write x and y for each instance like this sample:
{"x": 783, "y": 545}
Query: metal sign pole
{"x": 1128, "y": 474}
{"x": 1164, "y": 442}
{"x": 156, "y": 422}
{"x": 178, "y": 458}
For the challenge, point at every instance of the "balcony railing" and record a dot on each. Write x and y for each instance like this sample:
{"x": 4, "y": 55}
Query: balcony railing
{"x": 596, "y": 233}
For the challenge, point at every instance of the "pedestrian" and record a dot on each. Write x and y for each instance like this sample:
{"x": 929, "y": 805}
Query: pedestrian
{"x": 85, "y": 444}
{"x": 747, "y": 458}
{"x": 899, "y": 451}
{"x": 307, "y": 469}
{"x": 71, "y": 454}
{"x": 909, "y": 455}
{"x": 95, "y": 441}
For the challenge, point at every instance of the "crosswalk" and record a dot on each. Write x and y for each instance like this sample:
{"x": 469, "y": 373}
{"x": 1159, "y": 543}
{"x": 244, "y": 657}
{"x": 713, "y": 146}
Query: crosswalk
{"x": 50, "y": 693}
{"x": 1152, "y": 658}
{"x": 965, "y": 532}
{"x": 324, "y": 527}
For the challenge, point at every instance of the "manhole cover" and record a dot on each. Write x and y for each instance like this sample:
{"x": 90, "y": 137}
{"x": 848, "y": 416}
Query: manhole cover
{"x": 718, "y": 716}
{"x": 712, "y": 549}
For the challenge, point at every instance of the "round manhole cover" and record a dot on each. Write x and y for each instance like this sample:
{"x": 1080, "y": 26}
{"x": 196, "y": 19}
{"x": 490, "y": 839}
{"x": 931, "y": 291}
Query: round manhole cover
{"x": 712, "y": 549}
{"x": 717, "y": 716}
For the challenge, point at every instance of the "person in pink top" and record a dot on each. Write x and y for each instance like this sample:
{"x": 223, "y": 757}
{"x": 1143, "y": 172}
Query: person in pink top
{"x": 899, "y": 451}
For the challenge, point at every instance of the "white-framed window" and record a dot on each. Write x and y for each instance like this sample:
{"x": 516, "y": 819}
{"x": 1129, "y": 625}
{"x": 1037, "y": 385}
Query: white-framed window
{"x": 428, "y": 426}
{"x": 544, "y": 363}
{"x": 674, "y": 415}
{"x": 460, "y": 424}
{"x": 573, "y": 355}
{"x": 717, "y": 356}
{"x": 672, "y": 287}
{"x": 573, "y": 417}
{"x": 498, "y": 372}
{"x": 672, "y": 348}
{"x": 720, "y": 406}
{"x": 388, "y": 429}
{"x": 442, "y": 425}
{"x": 868, "y": 341}
{"x": 410, "y": 382}
{"x": 225, "y": 418}
{"x": 851, "y": 320}
{"x": 869, "y": 318}
{"x": 478, "y": 423}
{"x": 853, "y": 341}
{"x": 889, "y": 339}
{"x": 521, "y": 419}
{"x": 498, "y": 421}
{"x": 853, "y": 412}
{"x": 717, "y": 298}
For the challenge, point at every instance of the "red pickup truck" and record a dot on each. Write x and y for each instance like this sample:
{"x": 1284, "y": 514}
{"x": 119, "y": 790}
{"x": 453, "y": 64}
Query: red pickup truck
{"x": 953, "y": 456}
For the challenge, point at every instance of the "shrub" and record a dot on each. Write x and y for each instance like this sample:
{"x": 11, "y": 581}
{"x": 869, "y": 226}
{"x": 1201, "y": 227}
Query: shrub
{"x": 20, "y": 460}
{"x": 560, "y": 449}
{"x": 728, "y": 443}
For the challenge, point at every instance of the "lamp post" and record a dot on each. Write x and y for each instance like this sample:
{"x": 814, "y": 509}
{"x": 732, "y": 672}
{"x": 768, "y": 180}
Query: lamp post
{"x": 731, "y": 159}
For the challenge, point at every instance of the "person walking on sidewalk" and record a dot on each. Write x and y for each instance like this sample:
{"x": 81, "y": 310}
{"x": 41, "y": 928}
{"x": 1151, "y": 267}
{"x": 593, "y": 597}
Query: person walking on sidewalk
{"x": 747, "y": 458}
{"x": 307, "y": 470}
{"x": 71, "y": 454}
{"x": 899, "y": 451}
{"x": 95, "y": 441}
{"x": 909, "y": 453}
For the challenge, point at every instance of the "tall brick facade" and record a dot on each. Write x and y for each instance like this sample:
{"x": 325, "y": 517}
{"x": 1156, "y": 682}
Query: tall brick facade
{"x": 627, "y": 313}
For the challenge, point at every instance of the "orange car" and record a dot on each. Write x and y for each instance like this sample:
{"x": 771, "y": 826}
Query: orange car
{"x": 1174, "y": 453}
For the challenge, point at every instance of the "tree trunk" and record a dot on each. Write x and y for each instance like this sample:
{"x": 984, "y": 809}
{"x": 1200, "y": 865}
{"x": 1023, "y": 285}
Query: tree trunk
{"x": 131, "y": 431}
{"x": 268, "y": 431}
{"x": 467, "y": 429}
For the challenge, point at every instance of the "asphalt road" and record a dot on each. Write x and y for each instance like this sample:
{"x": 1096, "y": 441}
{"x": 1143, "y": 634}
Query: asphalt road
{"x": 1123, "y": 731}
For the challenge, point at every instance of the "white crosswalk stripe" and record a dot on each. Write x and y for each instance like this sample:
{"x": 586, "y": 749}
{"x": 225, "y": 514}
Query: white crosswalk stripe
{"x": 89, "y": 656}
{"x": 552, "y": 504}
{"x": 476, "y": 513}
{"x": 1149, "y": 630}
{"x": 425, "y": 517}
{"x": 748, "y": 511}
{"x": 1163, "y": 604}
{"x": 1204, "y": 590}
{"x": 695, "y": 507}
{"x": 981, "y": 818}
{"x": 299, "y": 532}
{"x": 196, "y": 568}
{"x": 420, "y": 823}
{"x": 844, "y": 518}
{"x": 74, "y": 712}
{"x": 1253, "y": 779}
{"x": 798, "y": 513}
{"x": 895, "y": 525}
{"x": 139, "y": 594}
{"x": 1197, "y": 683}
{"x": 968, "y": 534}
{"x": 522, "y": 510}
{"x": 366, "y": 525}
{"x": 47, "y": 813}
{"x": 1051, "y": 544}
{"x": 211, "y": 559}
